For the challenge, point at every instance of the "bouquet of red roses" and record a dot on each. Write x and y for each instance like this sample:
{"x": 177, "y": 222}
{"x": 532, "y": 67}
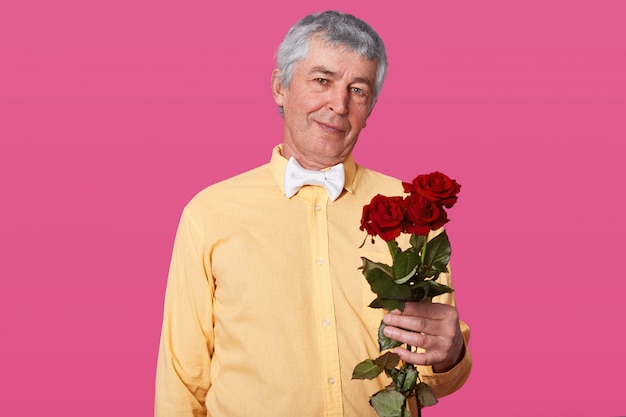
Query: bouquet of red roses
{"x": 412, "y": 277}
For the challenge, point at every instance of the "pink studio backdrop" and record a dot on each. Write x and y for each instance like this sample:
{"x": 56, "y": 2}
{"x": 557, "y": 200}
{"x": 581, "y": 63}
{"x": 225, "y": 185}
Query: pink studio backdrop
{"x": 114, "y": 114}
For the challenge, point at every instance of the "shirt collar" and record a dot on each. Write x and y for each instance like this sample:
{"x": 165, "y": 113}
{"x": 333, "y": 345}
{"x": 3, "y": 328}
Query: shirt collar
{"x": 278, "y": 164}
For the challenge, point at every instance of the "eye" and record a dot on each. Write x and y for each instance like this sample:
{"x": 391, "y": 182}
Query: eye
{"x": 357, "y": 90}
{"x": 322, "y": 80}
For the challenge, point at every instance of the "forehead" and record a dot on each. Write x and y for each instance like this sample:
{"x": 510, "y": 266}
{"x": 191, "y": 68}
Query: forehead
{"x": 338, "y": 59}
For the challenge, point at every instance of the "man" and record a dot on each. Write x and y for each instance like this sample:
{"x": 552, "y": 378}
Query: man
{"x": 265, "y": 310}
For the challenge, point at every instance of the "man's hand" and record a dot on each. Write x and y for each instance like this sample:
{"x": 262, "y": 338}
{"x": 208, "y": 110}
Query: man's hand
{"x": 431, "y": 326}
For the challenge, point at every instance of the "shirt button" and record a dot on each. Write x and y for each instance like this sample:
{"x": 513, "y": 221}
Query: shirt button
{"x": 326, "y": 323}
{"x": 331, "y": 380}
{"x": 320, "y": 261}
{"x": 317, "y": 207}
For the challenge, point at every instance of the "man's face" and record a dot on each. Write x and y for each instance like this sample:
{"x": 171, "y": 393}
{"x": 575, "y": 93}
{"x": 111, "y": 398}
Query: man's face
{"x": 326, "y": 104}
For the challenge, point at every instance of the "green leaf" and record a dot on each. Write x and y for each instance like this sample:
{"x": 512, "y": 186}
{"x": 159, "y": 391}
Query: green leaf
{"x": 366, "y": 370}
{"x": 410, "y": 380}
{"x": 435, "y": 289}
{"x": 437, "y": 268}
{"x": 417, "y": 241}
{"x": 425, "y": 395}
{"x": 418, "y": 291}
{"x": 388, "y": 403}
{"x": 371, "y": 265}
{"x": 432, "y": 270}
{"x": 438, "y": 251}
{"x": 384, "y": 342}
{"x": 377, "y": 303}
{"x": 388, "y": 361}
{"x": 382, "y": 285}
{"x": 405, "y": 265}
{"x": 393, "y": 247}
{"x": 392, "y": 373}
{"x": 399, "y": 377}
{"x": 387, "y": 304}
{"x": 429, "y": 289}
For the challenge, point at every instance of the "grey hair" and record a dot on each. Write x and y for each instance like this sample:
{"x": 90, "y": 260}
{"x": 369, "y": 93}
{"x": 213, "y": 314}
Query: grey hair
{"x": 336, "y": 28}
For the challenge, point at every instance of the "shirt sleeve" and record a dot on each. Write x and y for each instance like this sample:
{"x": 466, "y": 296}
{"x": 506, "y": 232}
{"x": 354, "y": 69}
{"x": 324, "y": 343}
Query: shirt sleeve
{"x": 184, "y": 360}
{"x": 446, "y": 383}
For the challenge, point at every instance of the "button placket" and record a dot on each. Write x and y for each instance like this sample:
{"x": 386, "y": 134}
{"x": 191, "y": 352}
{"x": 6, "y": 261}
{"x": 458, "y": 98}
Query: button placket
{"x": 324, "y": 302}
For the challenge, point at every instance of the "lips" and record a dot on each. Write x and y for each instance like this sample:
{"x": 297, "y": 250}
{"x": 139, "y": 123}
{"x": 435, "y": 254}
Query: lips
{"x": 329, "y": 127}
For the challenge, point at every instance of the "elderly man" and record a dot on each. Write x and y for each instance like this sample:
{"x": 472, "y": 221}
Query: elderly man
{"x": 266, "y": 313}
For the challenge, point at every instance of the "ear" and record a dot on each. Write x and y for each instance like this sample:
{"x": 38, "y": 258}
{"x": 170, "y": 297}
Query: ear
{"x": 277, "y": 88}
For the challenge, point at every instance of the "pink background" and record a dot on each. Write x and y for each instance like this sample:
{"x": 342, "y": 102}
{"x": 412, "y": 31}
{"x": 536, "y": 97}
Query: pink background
{"x": 113, "y": 114}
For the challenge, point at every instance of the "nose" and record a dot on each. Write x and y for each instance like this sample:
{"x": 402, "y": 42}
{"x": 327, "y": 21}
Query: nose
{"x": 338, "y": 101}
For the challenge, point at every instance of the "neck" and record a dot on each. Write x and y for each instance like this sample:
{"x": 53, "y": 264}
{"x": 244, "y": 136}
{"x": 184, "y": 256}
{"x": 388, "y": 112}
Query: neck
{"x": 310, "y": 163}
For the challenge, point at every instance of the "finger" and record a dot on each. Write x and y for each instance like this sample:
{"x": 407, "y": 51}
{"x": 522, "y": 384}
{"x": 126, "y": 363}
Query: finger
{"x": 436, "y": 319}
{"x": 409, "y": 322}
{"x": 409, "y": 337}
{"x": 419, "y": 358}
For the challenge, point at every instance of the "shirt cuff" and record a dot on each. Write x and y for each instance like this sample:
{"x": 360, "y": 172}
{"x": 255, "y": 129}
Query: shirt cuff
{"x": 445, "y": 383}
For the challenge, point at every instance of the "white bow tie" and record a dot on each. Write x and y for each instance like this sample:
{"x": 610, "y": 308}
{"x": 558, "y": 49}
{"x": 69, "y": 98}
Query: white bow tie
{"x": 295, "y": 177}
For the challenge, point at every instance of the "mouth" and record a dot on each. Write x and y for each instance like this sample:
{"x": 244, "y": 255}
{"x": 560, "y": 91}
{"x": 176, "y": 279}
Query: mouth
{"x": 331, "y": 128}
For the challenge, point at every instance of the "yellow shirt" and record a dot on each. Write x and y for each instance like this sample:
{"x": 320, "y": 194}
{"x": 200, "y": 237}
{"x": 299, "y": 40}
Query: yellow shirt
{"x": 265, "y": 310}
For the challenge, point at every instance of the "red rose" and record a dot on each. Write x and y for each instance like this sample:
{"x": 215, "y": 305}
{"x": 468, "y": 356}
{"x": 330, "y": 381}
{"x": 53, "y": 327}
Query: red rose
{"x": 423, "y": 215}
{"x": 435, "y": 187}
{"x": 383, "y": 217}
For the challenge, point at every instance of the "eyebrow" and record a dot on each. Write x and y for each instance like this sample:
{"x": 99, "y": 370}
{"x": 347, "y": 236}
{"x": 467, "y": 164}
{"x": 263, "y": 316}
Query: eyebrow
{"x": 324, "y": 70}
{"x": 333, "y": 74}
